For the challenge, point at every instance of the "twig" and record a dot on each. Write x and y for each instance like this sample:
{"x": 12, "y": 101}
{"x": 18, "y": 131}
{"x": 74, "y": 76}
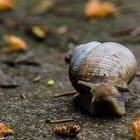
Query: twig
{"x": 122, "y": 32}
{"x": 37, "y": 78}
{"x": 60, "y": 120}
{"x": 66, "y": 93}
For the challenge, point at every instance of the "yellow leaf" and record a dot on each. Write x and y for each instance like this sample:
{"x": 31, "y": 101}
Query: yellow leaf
{"x": 15, "y": 43}
{"x": 6, "y": 5}
{"x": 38, "y": 32}
{"x": 97, "y": 9}
{"x": 43, "y": 6}
{"x": 135, "y": 127}
{"x": 4, "y": 130}
{"x": 50, "y": 83}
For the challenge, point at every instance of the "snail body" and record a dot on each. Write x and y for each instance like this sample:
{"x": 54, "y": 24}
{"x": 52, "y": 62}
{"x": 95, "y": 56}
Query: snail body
{"x": 100, "y": 72}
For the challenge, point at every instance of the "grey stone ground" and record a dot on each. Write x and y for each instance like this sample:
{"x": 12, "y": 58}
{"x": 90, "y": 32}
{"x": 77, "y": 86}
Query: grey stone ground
{"x": 28, "y": 117}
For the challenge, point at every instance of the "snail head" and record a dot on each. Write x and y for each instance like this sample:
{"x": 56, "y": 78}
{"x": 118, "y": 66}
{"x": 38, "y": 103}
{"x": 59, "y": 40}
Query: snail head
{"x": 101, "y": 90}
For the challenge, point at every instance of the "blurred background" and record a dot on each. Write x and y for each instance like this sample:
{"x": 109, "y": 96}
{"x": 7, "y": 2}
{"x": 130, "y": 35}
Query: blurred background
{"x": 36, "y": 39}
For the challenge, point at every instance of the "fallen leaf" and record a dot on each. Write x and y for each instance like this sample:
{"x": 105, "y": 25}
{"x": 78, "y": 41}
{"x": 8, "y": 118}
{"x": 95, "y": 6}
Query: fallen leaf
{"x": 6, "y": 5}
{"x": 43, "y": 6}
{"x": 38, "y": 32}
{"x": 70, "y": 130}
{"x": 5, "y": 131}
{"x": 97, "y": 9}
{"x": 37, "y": 78}
{"x": 21, "y": 59}
{"x": 50, "y": 83}
{"x": 24, "y": 58}
{"x": 15, "y": 43}
{"x": 135, "y": 127}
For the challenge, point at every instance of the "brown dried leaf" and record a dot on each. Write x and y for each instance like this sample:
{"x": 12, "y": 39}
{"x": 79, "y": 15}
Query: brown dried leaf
{"x": 135, "y": 127}
{"x": 15, "y": 43}
{"x": 69, "y": 130}
{"x": 6, "y": 5}
{"x": 5, "y": 131}
{"x": 97, "y": 9}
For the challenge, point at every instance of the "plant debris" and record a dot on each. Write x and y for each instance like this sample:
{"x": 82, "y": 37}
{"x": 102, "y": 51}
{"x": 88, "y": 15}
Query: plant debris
{"x": 60, "y": 120}
{"x": 69, "y": 130}
{"x": 24, "y": 59}
{"x": 15, "y": 43}
{"x": 43, "y": 6}
{"x": 37, "y": 78}
{"x": 50, "y": 83}
{"x": 65, "y": 93}
{"x": 6, "y": 5}
{"x": 37, "y": 32}
{"x": 135, "y": 128}
{"x": 23, "y": 96}
{"x": 62, "y": 30}
{"x": 5, "y": 131}
{"x": 122, "y": 32}
{"x": 97, "y": 9}
{"x": 133, "y": 32}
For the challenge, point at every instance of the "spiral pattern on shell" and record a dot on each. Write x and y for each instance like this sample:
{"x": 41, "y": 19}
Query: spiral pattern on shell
{"x": 107, "y": 62}
{"x": 100, "y": 72}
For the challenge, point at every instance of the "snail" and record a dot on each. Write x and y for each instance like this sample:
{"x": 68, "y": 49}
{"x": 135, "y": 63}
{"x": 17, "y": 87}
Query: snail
{"x": 101, "y": 72}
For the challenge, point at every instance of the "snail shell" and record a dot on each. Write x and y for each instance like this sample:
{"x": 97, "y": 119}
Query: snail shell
{"x": 100, "y": 72}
